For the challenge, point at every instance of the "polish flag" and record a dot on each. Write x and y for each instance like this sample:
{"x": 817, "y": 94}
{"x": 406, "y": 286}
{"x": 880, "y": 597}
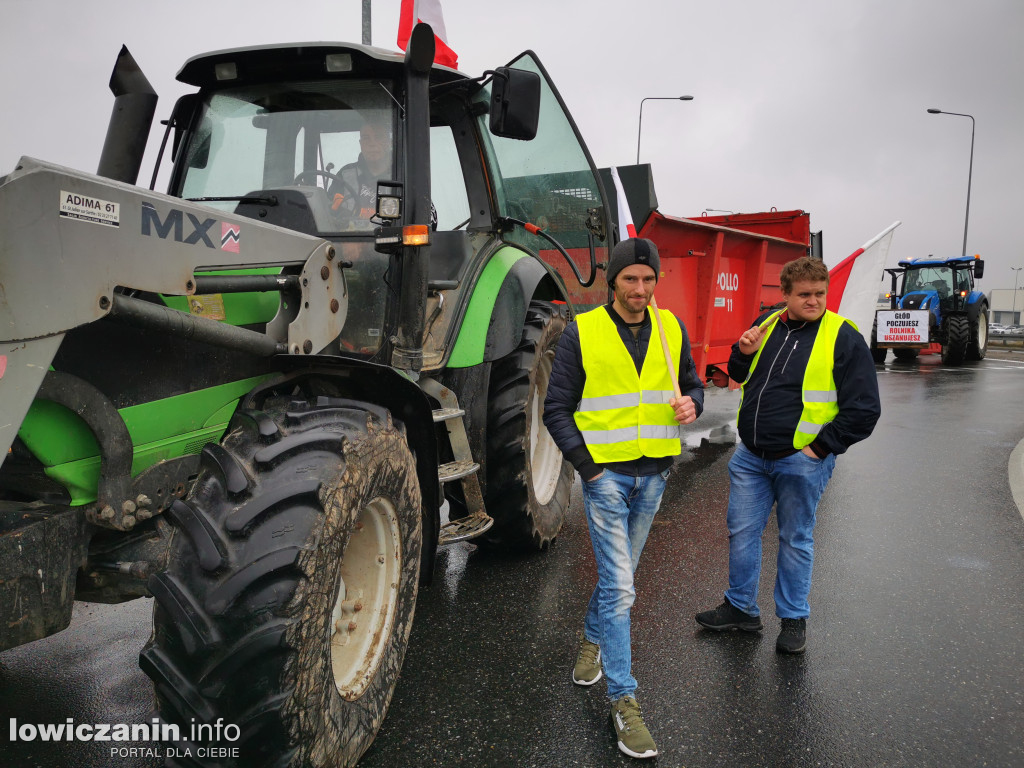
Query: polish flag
{"x": 626, "y": 228}
{"x": 854, "y": 282}
{"x": 429, "y": 12}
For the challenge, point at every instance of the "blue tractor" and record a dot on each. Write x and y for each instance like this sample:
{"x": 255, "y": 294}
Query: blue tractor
{"x": 937, "y": 304}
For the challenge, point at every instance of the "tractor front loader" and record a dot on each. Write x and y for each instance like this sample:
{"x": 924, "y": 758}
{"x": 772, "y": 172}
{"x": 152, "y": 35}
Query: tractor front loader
{"x": 267, "y": 397}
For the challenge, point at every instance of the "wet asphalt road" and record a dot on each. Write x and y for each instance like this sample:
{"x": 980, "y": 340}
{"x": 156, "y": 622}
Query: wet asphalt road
{"x": 915, "y": 643}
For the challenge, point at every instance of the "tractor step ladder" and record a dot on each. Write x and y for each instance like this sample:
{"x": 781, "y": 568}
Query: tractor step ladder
{"x": 462, "y": 469}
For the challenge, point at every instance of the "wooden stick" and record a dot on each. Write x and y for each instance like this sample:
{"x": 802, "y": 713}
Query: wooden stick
{"x": 665, "y": 349}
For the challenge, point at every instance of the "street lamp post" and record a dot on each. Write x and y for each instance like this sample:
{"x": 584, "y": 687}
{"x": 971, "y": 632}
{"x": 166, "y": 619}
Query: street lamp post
{"x": 970, "y": 168}
{"x": 640, "y": 122}
{"x": 367, "y": 36}
{"x": 1016, "y": 271}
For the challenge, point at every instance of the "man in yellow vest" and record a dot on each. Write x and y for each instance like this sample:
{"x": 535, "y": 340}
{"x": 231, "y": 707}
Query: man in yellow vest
{"x": 809, "y": 392}
{"x": 611, "y": 409}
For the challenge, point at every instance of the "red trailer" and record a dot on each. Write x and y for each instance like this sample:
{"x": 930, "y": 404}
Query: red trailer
{"x": 718, "y": 273}
{"x": 721, "y": 272}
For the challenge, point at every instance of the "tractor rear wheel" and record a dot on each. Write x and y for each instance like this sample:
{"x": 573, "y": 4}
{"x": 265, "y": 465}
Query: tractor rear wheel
{"x": 528, "y": 481}
{"x": 288, "y": 600}
{"x": 977, "y": 346}
{"x": 957, "y": 336}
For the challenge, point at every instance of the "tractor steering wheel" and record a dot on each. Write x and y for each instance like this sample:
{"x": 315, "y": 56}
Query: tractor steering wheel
{"x": 309, "y": 177}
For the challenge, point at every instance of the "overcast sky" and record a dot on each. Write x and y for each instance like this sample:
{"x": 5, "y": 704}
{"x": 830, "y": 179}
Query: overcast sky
{"x": 797, "y": 103}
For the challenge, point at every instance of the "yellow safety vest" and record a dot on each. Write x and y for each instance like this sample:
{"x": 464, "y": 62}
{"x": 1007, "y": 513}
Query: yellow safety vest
{"x": 819, "y": 387}
{"x": 621, "y": 415}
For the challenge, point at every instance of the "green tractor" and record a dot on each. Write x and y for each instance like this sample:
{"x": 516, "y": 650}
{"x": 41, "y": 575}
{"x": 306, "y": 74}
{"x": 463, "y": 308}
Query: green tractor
{"x": 267, "y": 397}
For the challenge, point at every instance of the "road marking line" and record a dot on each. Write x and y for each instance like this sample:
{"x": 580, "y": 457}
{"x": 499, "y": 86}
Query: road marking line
{"x": 1016, "y": 473}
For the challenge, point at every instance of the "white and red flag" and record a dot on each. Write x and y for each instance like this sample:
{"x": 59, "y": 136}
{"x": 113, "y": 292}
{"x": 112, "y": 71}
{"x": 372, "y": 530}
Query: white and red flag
{"x": 853, "y": 283}
{"x": 626, "y": 228}
{"x": 429, "y": 12}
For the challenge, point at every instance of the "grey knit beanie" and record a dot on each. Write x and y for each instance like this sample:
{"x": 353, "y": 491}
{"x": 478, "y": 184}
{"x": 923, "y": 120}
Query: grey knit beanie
{"x": 635, "y": 250}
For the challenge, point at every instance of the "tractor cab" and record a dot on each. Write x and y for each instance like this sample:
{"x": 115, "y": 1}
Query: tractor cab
{"x": 300, "y": 137}
{"x": 312, "y": 137}
{"x": 938, "y": 285}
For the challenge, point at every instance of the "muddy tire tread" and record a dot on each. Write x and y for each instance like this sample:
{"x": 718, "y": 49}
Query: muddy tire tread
{"x": 227, "y": 629}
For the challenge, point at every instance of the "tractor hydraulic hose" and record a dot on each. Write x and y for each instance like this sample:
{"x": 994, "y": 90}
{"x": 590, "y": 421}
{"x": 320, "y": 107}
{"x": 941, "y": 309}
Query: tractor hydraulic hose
{"x": 533, "y": 229}
{"x": 172, "y": 321}
{"x": 106, "y": 425}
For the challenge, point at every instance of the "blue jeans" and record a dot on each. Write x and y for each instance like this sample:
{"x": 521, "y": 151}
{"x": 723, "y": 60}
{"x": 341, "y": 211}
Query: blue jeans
{"x": 620, "y": 510}
{"x": 795, "y": 484}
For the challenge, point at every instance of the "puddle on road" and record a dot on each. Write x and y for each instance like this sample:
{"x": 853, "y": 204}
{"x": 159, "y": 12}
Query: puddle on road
{"x": 970, "y": 563}
{"x": 721, "y": 435}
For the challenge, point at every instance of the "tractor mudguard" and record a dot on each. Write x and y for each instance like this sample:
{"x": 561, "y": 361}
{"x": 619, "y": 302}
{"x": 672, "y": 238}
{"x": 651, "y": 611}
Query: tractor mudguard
{"x": 493, "y": 325}
{"x": 383, "y": 386}
{"x": 974, "y": 302}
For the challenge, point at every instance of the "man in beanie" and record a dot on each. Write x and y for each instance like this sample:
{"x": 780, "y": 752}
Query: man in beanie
{"x": 611, "y": 409}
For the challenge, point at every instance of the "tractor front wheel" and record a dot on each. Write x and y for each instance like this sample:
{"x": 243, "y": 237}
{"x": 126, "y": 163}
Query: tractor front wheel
{"x": 528, "y": 481}
{"x": 287, "y": 604}
{"x": 877, "y": 353}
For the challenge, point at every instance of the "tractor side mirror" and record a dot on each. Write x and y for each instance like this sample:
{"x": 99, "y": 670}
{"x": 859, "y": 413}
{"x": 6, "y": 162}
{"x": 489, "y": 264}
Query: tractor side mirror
{"x": 979, "y": 269}
{"x": 515, "y": 103}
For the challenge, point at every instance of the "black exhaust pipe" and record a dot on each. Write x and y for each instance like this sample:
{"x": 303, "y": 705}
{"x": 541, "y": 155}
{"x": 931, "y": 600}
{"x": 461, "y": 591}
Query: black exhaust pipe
{"x": 130, "y": 121}
{"x": 407, "y": 352}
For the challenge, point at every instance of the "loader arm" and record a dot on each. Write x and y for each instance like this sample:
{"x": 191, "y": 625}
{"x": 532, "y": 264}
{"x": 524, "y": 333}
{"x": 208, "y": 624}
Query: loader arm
{"x": 68, "y": 239}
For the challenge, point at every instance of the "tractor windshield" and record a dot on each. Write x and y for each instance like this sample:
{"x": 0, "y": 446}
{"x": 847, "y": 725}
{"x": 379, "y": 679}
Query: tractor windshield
{"x": 938, "y": 279}
{"x": 316, "y": 149}
{"x": 333, "y": 136}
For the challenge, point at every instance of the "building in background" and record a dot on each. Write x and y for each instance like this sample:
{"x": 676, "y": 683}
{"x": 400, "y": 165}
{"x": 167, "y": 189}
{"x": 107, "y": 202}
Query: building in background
{"x": 1006, "y": 305}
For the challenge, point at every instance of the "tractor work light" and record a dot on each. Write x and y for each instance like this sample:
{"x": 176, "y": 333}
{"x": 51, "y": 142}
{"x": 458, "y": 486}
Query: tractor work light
{"x": 226, "y": 70}
{"x": 338, "y": 62}
{"x": 389, "y": 200}
{"x": 389, "y": 207}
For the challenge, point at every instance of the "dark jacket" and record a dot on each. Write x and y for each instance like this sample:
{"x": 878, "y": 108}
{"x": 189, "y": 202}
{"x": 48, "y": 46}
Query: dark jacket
{"x": 565, "y": 389}
{"x": 353, "y": 194}
{"x": 772, "y": 399}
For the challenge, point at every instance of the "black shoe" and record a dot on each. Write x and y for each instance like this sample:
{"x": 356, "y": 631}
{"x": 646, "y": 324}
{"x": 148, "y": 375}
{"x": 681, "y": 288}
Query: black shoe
{"x": 793, "y": 637}
{"x": 728, "y": 616}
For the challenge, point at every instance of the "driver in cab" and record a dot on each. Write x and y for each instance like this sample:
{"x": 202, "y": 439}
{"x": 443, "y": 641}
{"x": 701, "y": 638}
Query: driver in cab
{"x": 354, "y": 194}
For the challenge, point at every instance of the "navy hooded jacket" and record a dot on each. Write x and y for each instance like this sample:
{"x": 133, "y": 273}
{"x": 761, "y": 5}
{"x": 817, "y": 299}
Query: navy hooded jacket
{"x": 773, "y": 398}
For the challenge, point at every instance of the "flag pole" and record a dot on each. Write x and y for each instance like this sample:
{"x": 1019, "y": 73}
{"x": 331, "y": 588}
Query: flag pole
{"x": 666, "y": 350}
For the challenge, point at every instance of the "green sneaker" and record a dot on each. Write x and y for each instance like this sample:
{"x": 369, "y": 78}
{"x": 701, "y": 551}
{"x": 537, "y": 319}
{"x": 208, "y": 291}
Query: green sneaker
{"x": 634, "y": 738}
{"x": 588, "y": 664}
